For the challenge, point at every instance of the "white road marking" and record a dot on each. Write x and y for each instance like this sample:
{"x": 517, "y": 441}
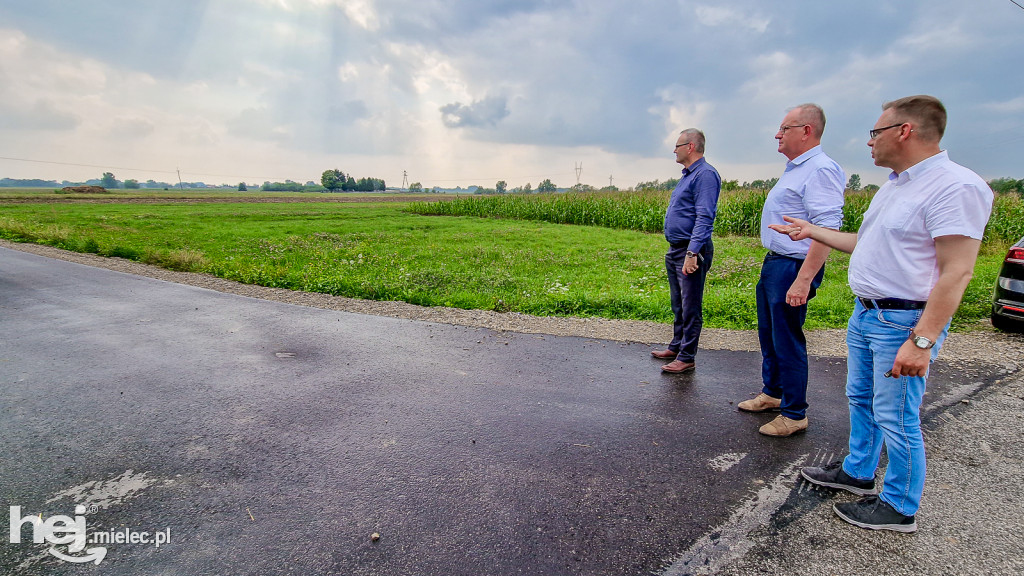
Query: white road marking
{"x": 731, "y": 540}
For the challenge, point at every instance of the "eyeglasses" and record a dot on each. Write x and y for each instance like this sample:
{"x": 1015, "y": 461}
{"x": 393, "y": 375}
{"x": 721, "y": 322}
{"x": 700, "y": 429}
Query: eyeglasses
{"x": 782, "y": 129}
{"x": 874, "y": 133}
{"x": 683, "y": 144}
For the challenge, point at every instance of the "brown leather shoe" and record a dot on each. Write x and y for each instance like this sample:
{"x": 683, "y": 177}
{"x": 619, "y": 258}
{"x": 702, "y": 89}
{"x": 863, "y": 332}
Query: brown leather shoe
{"x": 678, "y": 367}
{"x": 760, "y": 403}
{"x": 664, "y": 354}
{"x": 782, "y": 427}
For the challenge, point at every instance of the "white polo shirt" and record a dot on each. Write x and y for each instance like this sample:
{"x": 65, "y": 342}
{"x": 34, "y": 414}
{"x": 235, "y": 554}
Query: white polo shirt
{"x": 895, "y": 252}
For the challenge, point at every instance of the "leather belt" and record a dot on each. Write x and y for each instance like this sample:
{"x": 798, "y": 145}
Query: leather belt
{"x": 891, "y": 303}
{"x": 777, "y": 255}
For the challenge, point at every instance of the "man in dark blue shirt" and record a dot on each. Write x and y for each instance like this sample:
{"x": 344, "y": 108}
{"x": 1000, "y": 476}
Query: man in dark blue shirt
{"x": 689, "y": 220}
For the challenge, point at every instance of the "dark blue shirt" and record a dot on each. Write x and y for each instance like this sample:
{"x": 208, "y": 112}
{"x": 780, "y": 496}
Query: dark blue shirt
{"x": 690, "y": 217}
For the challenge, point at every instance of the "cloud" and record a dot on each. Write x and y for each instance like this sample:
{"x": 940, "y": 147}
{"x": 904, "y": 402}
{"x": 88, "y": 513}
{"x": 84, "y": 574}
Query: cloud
{"x": 1014, "y": 105}
{"x": 258, "y": 124}
{"x": 546, "y": 83}
{"x": 726, "y": 17}
{"x": 349, "y": 112}
{"x": 131, "y": 127}
{"x": 486, "y": 112}
{"x": 41, "y": 115}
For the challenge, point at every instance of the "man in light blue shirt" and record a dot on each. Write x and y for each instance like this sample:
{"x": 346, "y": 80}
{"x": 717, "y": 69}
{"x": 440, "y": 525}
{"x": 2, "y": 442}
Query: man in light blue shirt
{"x": 811, "y": 189}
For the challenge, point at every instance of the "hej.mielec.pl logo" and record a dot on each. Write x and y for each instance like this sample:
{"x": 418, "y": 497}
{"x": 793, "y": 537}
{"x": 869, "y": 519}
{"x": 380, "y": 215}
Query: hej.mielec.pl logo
{"x": 72, "y": 531}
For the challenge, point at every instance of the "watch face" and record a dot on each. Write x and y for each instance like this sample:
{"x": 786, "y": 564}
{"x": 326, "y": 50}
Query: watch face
{"x": 922, "y": 342}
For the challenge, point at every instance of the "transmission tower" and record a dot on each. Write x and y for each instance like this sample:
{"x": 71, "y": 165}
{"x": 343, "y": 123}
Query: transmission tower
{"x": 405, "y": 180}
{"x": 609, "y": 181}
{"x": 579, "y": 170}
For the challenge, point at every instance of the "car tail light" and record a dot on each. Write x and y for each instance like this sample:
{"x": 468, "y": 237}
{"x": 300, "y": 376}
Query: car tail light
{"x": 1015, "y": 255}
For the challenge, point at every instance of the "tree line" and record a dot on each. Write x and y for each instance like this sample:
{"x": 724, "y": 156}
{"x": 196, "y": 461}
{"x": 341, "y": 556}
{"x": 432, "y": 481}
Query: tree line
{"x": 337, "y": 180}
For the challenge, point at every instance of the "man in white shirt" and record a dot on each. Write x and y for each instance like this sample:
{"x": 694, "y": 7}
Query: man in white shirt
{"x": 812, "y": 189}
{"x": 911, "y": 262}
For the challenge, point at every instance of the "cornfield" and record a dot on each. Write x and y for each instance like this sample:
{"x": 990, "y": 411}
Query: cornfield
{"x": 739, "y": 211}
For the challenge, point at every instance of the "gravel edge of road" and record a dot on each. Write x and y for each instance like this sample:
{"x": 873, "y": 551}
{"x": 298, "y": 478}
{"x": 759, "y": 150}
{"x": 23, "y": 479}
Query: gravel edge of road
{"x": 983, "y": 346}
{"x": 972, "y": 513}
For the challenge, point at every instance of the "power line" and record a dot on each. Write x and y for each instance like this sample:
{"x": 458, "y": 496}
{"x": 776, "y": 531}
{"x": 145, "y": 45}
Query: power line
{"x": 86, "y": 165}
{"x": 251, "y": 178}
{"x": 150, "y": 170}
{"x": 1018, "y": 5}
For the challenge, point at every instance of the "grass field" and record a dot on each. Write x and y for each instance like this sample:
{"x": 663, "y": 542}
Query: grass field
{"x": 374, "y": 247}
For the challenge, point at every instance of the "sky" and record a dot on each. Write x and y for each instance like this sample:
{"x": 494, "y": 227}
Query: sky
{"x": 469, "y": 92}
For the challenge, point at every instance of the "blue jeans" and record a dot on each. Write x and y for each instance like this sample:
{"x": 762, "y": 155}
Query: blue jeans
{"x": 781, "y": 335}
{"x": 885, "y": 410}
{"x": 687, "y": 293}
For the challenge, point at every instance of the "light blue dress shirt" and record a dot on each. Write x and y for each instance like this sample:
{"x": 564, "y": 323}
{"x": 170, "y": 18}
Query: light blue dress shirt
{"x": 811, "y": 189}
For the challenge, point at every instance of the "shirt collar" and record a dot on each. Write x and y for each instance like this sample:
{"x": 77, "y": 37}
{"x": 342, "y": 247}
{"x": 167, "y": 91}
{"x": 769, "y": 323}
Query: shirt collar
{"x": 918, "y": 169}
{"x": 696, "y": 164}
{"x": 803, "y": 157}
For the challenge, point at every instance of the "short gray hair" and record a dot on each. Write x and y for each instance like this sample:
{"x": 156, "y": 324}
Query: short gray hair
{"x": 812, "y": 114}
{"x": 695, "y": 136}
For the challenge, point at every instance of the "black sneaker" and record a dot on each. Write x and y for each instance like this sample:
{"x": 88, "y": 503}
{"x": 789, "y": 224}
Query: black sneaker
{"x": 833, "y": 476}
{"x": 874, "y": 513}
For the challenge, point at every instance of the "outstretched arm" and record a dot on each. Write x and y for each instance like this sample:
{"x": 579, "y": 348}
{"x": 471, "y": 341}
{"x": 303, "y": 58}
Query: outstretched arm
{"x": 798, "y": 229}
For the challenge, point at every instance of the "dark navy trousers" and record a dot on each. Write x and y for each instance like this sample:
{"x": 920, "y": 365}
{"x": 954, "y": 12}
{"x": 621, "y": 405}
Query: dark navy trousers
{"x": 687, "y": 292}
{"x": 780, "y": 332}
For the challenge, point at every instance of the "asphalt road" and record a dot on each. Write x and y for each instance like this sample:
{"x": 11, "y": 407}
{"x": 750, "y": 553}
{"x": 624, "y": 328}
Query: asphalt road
{"x": 277, "y": 439}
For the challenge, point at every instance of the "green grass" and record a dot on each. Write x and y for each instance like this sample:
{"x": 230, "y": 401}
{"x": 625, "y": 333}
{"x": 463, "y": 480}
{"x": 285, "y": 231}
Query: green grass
{"x": 379, "y": 250}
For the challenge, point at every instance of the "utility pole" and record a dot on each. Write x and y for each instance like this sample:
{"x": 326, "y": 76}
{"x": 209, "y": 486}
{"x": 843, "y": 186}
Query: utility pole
{"x": 180, "y": 187}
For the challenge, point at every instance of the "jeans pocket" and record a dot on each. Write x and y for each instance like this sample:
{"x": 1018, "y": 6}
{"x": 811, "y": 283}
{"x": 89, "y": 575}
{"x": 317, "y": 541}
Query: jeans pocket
{"x": 900, "y": 319}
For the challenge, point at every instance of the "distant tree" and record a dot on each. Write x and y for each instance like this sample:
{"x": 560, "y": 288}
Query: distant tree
{"x": 131, "y": 184}
{"x": 31, "y": 183}
{"x": 286, "y": 186}
{"x": 108, "y": 180}
{"x": 854, "y": 183}
{"x": 527, "y": 189}
{"x": 501, "y": 187}
{"x": 242, "y": 188}
{"x": 610, "y": 188}
{"x": 333, "y": 179}
{"x": 1007, "y": 185}
{"x": 546, "y": 186}
{"x": 728, "y": 185}
{"x": 415, "y": 187}
{"x": 581, "y": 188}
{"x": 872, "y": 188}
{"x": 762, "y": 184}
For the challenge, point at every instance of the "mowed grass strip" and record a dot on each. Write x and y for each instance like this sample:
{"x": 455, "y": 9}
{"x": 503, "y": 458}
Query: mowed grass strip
{"x": 381, "y": 251}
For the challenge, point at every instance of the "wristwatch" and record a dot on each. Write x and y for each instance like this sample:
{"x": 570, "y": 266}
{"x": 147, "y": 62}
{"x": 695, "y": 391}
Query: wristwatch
{"x": 921, "y": 342}
{"x": 691, "y": 254}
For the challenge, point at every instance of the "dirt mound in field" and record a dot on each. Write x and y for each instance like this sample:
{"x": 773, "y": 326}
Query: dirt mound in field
{"x": 84, "y": 190}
